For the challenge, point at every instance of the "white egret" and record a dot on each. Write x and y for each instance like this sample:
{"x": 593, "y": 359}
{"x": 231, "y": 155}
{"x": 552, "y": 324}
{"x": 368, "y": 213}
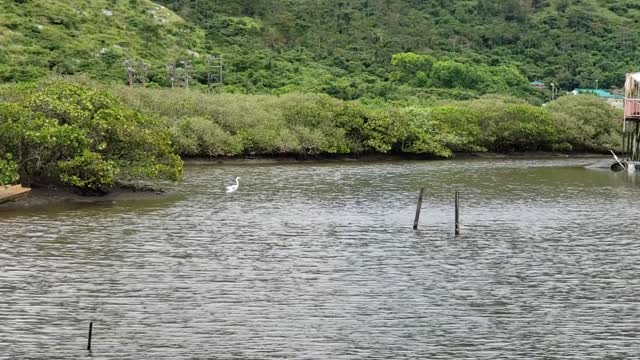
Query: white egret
{"x": 232, "y": 188}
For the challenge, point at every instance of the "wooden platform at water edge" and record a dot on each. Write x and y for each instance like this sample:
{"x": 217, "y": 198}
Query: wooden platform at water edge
{"x": 13, "y": 192}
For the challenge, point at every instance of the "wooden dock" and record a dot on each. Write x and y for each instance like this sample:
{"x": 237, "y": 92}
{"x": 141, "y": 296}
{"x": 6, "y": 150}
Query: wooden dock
{"x": 12, "y": 192}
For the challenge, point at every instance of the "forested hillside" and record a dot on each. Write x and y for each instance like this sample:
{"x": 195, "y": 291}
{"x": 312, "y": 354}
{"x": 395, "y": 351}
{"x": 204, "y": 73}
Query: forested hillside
{"x": 345, "y": 47}
{"x": 96, "y": 37}
{"x": 401, "y": 50}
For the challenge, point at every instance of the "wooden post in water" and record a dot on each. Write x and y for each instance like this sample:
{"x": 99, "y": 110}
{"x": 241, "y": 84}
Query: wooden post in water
{"x": 415, "y": 222}
{"x": 457, "y": 213}
{"x": 89, "y": 341}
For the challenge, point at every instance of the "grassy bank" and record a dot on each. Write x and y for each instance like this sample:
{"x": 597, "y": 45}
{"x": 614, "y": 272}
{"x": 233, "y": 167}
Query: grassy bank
{"x": 93, "y": 137}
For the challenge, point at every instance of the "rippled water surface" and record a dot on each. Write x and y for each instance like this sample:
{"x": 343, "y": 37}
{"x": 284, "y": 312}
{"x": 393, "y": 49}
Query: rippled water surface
{"x": 319, "y": 261}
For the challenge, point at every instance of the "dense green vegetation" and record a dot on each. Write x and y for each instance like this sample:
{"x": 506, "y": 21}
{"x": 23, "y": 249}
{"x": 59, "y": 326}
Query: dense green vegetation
{"x": 393, "y": 50}
{"x": 312, "y": 124}
{"x": 64, "y": 133}
{"x": 308, "y": 78}
{"x": 351, "y": 42}
{"x": 39, "y": 37}
{"x": 8, "y": 171}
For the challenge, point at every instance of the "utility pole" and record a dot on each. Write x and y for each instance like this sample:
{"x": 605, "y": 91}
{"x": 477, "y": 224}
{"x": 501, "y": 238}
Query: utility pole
{"x": 130, "y": 71}
{"x": 144, "y": 70}
{"x": 215, "y": 78}
{"x": 180, "y": 73}
{"x": 171, "y": 69}
{"x": 187, "y": 73}
{"x": 136, "y": 72}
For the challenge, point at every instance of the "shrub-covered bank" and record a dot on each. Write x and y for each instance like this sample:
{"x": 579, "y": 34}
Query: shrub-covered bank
{"x": 314, "y": 124}
{"x": 67, "y": 132}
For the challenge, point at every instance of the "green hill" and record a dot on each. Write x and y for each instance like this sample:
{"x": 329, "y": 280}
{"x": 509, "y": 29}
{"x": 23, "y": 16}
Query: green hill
{"x": 96, "y": 37}
{"x": 373, "y": 50}
{"x": 351, "y": 42}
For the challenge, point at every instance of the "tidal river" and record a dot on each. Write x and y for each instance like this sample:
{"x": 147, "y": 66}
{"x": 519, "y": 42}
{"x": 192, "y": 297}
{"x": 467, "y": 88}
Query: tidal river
{"x": 319, "y": 261}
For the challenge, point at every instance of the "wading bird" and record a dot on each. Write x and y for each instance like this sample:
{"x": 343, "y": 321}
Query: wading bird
{"x": 232, "y": 188}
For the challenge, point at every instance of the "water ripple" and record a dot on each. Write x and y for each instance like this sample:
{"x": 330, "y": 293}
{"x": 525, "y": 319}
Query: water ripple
{"x": 318, "y": 261}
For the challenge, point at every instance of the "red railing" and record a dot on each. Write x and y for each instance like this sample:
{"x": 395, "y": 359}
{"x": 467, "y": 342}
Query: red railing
{"x": 632, "y": 108}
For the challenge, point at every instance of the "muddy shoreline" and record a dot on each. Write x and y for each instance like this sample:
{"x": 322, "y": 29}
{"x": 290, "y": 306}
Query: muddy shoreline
{"x": 45, "y": 196}
{"x": 259, "y": 160}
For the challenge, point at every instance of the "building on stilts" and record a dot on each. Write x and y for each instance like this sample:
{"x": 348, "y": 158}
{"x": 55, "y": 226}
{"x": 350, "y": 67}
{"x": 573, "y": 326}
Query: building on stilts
{"x": 631, "y": 126}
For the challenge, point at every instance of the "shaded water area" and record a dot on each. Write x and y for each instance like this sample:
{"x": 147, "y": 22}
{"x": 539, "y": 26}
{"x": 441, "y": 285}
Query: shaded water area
{"x": 319, "y": 261}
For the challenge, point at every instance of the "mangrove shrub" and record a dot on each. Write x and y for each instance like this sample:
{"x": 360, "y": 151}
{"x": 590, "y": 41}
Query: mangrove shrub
{"x": 8, "y": 171}
{"x": 315, "y": 124}
{"x": 586, "y": 123}
{"x": 62, "y": 132}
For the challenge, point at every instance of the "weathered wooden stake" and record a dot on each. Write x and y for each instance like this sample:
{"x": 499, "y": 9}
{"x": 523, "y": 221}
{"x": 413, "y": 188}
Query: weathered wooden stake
{"x": 90, "y": 330}
{"x": 457, "y": 213}
{"x": 415, "y": 222}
